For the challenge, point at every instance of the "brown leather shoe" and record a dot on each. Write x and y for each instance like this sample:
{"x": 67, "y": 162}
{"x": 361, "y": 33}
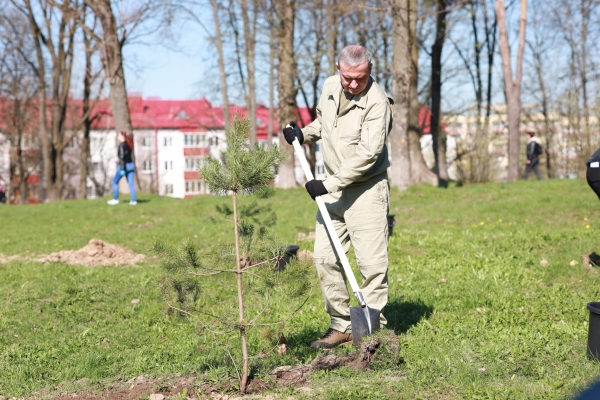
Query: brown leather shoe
{"x": 331, "y": 339}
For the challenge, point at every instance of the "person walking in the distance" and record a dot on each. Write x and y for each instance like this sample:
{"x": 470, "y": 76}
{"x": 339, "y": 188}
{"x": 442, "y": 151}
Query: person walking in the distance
{"x": 125, "y": 168}
{"x": 353, "y": 121}
{"x": 534, "y": 149}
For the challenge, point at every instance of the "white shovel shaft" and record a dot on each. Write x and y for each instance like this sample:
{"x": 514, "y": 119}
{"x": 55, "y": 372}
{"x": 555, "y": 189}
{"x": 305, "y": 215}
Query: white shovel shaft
{"x": 329, "y": 225}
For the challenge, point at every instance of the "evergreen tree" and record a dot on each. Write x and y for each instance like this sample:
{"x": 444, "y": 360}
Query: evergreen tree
{"x": 254, "y": 254}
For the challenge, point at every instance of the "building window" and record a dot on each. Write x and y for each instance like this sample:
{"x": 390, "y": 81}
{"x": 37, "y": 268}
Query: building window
{"x": 168, "y": 141}
{"x": 29, "y": 141}
{"x": 193, "y": 163}
{"x": 96, "y": 167}
{"x": 95, "y": 143}
{"x": 194, "y": 187}
{"x": 147, "y": 141}
{"x": 168, "y": 165}
{"x": 194, "y": 140}
{"x": 90, "y": 193}
{"x": 168, "y": 189}
{"x": 147, "y": 166}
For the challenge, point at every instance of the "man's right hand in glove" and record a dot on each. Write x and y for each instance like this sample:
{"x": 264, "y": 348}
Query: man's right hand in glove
{"x": 291, "y": 132}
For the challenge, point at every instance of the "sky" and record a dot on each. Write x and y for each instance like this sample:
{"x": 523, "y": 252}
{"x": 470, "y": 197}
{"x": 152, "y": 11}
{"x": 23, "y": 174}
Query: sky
{"x": 161, "y": 71}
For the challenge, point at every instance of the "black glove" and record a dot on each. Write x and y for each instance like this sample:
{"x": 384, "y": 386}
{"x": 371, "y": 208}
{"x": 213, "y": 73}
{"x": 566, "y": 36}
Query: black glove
{"x": 291, "y": 132}
{"x": 315, "y": 188}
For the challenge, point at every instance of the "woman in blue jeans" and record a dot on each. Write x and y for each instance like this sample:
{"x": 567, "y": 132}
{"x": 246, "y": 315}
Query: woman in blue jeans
{"x": 125, "y": 167}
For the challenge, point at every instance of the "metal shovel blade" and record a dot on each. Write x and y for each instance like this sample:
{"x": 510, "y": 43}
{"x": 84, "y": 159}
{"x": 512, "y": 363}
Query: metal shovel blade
{"x": 361, "y": 319}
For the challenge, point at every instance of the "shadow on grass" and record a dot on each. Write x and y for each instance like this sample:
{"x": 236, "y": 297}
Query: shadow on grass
{"x": 402, "y": 316}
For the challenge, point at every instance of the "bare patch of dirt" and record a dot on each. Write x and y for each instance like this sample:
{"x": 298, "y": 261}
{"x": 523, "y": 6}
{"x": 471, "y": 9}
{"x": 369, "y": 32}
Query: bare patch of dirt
{"x": 6, "y": 259}
{"x": 305, "y": 255}
{"x": 304, "y": 237}
{"x": 368, "y": 354}
{"x": 96, "y": 253}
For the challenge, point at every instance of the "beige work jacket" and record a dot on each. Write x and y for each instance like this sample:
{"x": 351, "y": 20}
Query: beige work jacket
{"x": 354, "y": 143}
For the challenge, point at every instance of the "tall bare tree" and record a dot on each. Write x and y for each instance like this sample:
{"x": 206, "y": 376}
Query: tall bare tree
{"x": 408, "y": 165}
{"x": 249, "y": 18}
{"x": 18, "y": 86}
{"x": 286, "y": 85}
{"x": 512, "y": 86}
{"x": 438, "y": 136}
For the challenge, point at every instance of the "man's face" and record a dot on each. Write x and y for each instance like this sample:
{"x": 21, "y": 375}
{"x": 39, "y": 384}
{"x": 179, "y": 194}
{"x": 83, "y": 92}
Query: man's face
{"x": 354, "y": 79}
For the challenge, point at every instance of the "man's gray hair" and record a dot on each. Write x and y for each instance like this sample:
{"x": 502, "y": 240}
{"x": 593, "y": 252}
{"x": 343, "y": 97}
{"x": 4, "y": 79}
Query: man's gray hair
{"x": 354, "y": 55}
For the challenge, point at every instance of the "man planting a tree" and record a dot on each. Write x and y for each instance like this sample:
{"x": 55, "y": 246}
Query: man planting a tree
{"x": 353, "y": 121}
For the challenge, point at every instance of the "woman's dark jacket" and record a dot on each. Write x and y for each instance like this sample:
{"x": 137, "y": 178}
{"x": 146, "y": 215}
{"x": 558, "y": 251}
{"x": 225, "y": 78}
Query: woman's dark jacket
{"x": 124, "y": 155}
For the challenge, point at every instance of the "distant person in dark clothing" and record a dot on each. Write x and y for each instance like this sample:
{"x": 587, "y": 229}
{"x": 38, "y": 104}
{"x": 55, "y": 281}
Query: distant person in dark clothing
{"x": 534, "y": 149}
{"x": 2, "y": 192}
{"x": 125, "y": 168}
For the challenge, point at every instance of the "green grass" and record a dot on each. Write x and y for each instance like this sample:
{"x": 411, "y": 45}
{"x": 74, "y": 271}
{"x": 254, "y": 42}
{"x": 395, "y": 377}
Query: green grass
{"x": 478, "y": 317}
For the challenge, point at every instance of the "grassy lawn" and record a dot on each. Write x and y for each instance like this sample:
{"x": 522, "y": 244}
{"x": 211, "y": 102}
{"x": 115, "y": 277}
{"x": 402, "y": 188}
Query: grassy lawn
{"x": 478, "y": 316}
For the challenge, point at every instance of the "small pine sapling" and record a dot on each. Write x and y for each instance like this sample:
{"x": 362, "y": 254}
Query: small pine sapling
{"x": 251, "y": 258}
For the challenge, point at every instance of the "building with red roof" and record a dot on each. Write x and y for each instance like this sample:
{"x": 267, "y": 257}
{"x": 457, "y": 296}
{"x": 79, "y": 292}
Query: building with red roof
{"x": 171, "y": 139}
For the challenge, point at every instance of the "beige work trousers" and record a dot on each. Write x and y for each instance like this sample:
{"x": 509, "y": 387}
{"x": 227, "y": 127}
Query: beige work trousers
{"x": 359, "y": 215}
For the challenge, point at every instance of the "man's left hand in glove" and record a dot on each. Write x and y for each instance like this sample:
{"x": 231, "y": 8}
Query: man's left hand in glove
{"x": 315, "y": 188}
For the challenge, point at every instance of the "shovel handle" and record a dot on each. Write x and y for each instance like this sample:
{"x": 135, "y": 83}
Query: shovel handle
{"x": 329, "y": 225}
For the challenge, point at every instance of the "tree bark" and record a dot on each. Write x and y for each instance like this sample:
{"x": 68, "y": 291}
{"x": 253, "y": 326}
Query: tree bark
{"x": 112, "y": 58}
{"x": 331, "y": 10}
{"x": 87, "y": 122}
{"x": 438, "y": 135}
{"x": 286, "y": 75}
{"x": 272, "y": 55}
{"x": 40, "y": 70}
{"x": 408, "y": 166}
{"x": 512, "y": 86}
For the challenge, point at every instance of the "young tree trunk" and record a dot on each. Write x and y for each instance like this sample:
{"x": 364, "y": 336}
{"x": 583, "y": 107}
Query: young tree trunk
{"x": 239, "y": 257}
{"x": 249, "y": 39}
{"x": 218, "y": 42}
{"x": 438, "y": 136}
{"x": 286, "y": 76}
{"x": 512, "y": 87}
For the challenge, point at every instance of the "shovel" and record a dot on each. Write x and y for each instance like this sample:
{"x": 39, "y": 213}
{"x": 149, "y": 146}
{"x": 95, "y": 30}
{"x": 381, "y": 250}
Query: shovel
{"x": 364, "y": 319}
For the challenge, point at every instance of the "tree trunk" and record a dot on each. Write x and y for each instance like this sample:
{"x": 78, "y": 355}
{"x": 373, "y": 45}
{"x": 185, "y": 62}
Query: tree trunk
{"x": 239, "y": 257}
{"x": 330, "y": 9}
{"x": 272, "y": 55}
{"x": 249, "y": 39}
{"x": 408, "y": 165}
{"x": 400, "y": 173}
{"x": 286, "y": 75}
{"x": 222, "y": 73}
{"x": 512, "y": 87}
{"x": 438, "y": 135}
{"x": 87, "y": 123}
{"x": 43, "y": 133}
{"x": 113, "y": 65}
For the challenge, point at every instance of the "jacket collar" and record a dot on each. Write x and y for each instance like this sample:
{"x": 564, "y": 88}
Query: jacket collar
{"x": 360, "y": 99}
